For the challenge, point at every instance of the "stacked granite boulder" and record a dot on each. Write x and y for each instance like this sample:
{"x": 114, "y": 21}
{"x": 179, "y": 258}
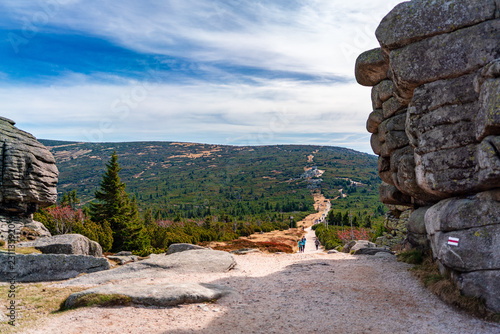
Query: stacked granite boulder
{"x": 28, "y": 180}
{"x": 436, "y": 128}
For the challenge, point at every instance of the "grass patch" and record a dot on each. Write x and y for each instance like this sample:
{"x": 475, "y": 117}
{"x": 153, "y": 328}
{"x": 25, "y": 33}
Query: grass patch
{"x": 102, "y": 300}
{"x": 414, "y": 256}
{"x": 445, "y": 288}
{"x": 34, "y": 302}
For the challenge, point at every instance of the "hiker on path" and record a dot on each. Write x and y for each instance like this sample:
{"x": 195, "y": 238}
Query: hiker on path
{"x": 316, "y": 242}
{"x": 300, "y": 245}
{"x": 303, "y": 244}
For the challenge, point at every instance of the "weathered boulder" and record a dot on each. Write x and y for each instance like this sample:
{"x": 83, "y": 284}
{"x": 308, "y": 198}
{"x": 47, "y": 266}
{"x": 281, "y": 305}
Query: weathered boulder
{"x": 445, "y": 56}
{"x": 488, "y": 119}
{"x": 412, "y": 21}
{"x": 28, "y": 180}
{"x": 360, "y": 247}
{"x": 161, "y": 265}
{"x": 121, "y": 260}
{"x": 347, "y": 247}
{"x": 389, "y": 194}
{"x": 29, "y": 174}
{"x": 48, "y": 267}
{"x": 161, "y": 295}
{"x": 371, "y": 67}
{"x": 75, "y": 244}
{"x": 182, "y": 247}
{"x": 124, "y": 253}
{"x": 16, "y": 223}
{"x": 417, "y": 233}
{"x": 481, "y": 284}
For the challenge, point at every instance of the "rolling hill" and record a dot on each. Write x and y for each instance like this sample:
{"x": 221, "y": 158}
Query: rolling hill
{"x": 247, "y": 182}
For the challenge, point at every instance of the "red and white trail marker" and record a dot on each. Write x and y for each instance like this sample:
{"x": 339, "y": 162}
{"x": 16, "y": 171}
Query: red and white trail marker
{"x": 453, "y": 241}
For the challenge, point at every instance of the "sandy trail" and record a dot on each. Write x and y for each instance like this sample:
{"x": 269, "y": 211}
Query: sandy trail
{"x": 310, "y": 246}
{"x": 289, "y": 293}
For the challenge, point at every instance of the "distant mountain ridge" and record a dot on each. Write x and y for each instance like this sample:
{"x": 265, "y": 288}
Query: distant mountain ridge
{"x": 198, "y": 179}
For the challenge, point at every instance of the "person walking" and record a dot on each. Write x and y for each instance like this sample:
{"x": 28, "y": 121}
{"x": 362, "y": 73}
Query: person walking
{"x": 300, "y": 245}
{"x": 303, "y": 244}
{"x": 316, "y": 242}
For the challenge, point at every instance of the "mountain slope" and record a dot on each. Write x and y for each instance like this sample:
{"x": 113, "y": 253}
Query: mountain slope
{"x": 196, "y": 180}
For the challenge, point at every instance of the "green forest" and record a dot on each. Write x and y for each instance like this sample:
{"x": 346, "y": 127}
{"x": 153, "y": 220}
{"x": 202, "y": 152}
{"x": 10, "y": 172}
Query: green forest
{"x": 184, "y": 192}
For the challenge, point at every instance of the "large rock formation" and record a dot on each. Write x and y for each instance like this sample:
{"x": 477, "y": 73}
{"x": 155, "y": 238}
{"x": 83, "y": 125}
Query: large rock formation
{"x": 436, "y": 128}
{"x": 28, "y": 177}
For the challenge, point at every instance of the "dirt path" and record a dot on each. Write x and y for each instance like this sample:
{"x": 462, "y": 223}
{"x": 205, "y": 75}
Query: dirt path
{"x": 322, "y": 205}
{"x": 289, "y": 293}
{"x": 310, "y": 246}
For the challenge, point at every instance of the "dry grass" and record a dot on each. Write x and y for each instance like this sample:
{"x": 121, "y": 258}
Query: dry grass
{"x": 270, "y": 242}
{"x": 102, "y": 300}
{"x": 264, "y": 246}
{"x": 23, "y": 250}
{"x": 34, "y": 303}
{"x": 446, "y": 289}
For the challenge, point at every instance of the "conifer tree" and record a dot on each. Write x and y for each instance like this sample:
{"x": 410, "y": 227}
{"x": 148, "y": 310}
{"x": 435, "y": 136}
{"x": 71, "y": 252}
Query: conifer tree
{"x": 115, "y": 207}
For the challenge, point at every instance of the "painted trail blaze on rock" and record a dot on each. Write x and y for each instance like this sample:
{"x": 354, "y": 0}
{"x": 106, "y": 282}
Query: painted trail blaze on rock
{"x": 435, "y": 124}
{"x": 453, "y": 241}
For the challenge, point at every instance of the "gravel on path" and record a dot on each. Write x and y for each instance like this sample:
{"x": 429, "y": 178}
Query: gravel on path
{"x": 289, "y": 293}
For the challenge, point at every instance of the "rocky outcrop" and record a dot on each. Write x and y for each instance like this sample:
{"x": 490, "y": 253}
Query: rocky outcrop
{"x": 28, "y": 177}
{"x": 160, "y": 295}
{"x": 435, "y": 125}
{"x": 74, "y": 244}
{"x": 47, "y": 267}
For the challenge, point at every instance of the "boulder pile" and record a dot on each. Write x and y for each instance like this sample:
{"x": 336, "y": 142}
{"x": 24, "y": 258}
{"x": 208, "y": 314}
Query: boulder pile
{"x": 435, "y": 125}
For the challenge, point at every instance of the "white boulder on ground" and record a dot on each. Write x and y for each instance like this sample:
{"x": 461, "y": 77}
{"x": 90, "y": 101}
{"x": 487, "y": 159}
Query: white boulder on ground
{"x": 74, "y": 244}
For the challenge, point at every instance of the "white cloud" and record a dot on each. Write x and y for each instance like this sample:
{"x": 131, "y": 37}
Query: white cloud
{"x": 313, "y": 36}
{"x": 263, "y": 114}
{"x": 317, "y": 37}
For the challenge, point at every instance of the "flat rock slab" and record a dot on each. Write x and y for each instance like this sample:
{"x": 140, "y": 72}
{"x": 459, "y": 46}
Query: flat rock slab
{"x": 158, "y": 295}
{"x": 192, "y": 261}
{"x": 47, "y": 267}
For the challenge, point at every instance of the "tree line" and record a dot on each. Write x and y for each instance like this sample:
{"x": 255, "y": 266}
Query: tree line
{"x": 113, "y": 219}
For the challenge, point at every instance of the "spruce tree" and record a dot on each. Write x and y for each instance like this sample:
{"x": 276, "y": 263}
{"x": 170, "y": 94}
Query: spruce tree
{"x": 115, "y": 207}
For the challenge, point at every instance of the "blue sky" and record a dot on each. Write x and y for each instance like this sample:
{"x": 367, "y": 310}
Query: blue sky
{"x": 224, "y": 72}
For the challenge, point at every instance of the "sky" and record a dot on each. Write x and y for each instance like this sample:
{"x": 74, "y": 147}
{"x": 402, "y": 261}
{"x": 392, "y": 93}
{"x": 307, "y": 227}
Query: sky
{"x": 231, "y": 72}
